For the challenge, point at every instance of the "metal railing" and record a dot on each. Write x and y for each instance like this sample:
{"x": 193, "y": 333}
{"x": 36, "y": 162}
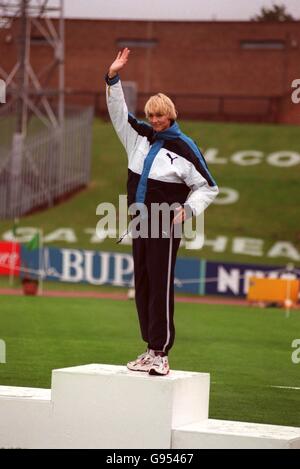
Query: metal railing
{"x": 52, "y": 163}
{"x": 222, "y": 108}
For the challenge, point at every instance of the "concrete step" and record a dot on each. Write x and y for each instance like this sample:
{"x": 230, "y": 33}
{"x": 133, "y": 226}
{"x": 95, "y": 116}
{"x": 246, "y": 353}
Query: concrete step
{"x": 225, "y": 434}
{"x": 108, "y": 406}
{"x": 25, "y": 416}
{"x": 102, "y": 406}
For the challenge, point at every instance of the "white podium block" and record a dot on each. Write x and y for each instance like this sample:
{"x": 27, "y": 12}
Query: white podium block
{"x": 25, "y": 417}
{"x": 105, "y": 406}
{"x": 224, "y": 434}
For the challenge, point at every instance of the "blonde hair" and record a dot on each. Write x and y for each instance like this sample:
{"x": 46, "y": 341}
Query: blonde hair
{"x": 162, "y": 104}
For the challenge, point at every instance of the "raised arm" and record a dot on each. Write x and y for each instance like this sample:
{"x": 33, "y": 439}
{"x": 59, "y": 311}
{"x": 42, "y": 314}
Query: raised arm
{"x": 127, "y": 127}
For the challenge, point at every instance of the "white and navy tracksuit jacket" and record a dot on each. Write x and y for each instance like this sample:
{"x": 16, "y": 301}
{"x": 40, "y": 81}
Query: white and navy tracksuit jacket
{"x": 167, "y": 167}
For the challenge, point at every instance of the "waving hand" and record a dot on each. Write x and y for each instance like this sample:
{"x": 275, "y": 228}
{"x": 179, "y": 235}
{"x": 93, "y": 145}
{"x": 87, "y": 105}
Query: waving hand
{"x": 119, "y": 62}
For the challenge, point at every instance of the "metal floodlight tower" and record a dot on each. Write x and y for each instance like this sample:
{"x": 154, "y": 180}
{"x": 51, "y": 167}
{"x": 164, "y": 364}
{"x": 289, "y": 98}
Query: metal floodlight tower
{"x": 26, "y": 86}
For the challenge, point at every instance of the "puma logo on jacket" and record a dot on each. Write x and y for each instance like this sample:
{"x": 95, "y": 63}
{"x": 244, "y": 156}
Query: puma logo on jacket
{"x": 171, "y": 158}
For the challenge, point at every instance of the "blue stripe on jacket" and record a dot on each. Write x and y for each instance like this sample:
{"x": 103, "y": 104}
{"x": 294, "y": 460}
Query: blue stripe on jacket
{"x": 199, "y": 155}
{"x": 170, "y": 133}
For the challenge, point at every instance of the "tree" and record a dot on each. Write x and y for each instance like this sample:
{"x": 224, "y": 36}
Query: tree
{"x": 275, "y": 13}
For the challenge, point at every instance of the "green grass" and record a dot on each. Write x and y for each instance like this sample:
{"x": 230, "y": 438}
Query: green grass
{"x": 246, "y": 350}
{"x": 267, "y": 207}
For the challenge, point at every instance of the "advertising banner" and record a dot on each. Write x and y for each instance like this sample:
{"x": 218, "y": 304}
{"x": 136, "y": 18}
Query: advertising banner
{"x": 99, "y": 268}
{"x": 233, "y": 279}
{"x": 9, "y": 258}
{"x": 76, "y": 265}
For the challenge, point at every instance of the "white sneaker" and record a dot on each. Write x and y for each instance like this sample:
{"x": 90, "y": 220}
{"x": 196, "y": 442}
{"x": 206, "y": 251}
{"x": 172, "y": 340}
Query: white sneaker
{"x": 143, "y": 362}
{"x": 160, "y": 366}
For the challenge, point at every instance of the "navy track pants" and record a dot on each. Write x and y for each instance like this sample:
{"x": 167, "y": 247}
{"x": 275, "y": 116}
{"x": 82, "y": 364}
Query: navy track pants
{"x": 154, "y": 264}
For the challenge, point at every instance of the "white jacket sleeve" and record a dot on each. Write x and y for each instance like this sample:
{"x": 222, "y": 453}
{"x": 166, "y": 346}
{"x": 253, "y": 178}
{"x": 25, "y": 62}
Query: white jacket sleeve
{"x": 118, "y": 113}
{"x": 202, "y": 194}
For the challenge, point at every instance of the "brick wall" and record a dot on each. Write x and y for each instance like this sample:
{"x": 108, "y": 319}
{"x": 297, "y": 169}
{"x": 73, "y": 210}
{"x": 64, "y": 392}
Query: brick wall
{"x": 201, "y": 65}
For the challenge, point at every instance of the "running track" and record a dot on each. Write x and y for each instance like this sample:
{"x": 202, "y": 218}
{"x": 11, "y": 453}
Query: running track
{"x": 123, "y": 296}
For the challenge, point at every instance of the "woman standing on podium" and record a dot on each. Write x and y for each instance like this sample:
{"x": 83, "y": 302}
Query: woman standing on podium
{"x": 164, "y": 166}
